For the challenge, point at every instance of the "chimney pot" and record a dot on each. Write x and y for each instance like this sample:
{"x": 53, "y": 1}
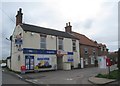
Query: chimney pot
{"x": 68, "y": 28}
{"x": 69, "y": 23}
{"x": 66, "y": 24}
{"x": 19, "y": 17}
{"x": 20, "y": 10}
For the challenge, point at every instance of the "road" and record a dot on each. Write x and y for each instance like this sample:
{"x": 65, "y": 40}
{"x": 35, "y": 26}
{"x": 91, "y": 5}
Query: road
{"x": 72, "y": 77}
{"x": 10, "y": 78}
{"x": 76, "y": 76}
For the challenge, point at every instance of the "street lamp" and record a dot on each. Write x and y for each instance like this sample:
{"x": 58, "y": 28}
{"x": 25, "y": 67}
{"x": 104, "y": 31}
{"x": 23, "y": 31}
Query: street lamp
{"x": 10, "y": 39}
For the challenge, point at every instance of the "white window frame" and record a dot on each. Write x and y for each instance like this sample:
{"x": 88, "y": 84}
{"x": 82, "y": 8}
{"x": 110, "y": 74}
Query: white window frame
{"x": 94, "y": 52}
{"x": 86, "y": 61}
{"x": 60, "y": 43}
{"x": 42, "y": 42}
{"x": 86, "y": 49}
{"x": 74, "y": 45}
{"x": 92, "y": 60}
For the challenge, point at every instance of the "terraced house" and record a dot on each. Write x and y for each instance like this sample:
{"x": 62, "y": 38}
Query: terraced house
{"x": 40, "y": 48}
{"x": 89, "y": 49}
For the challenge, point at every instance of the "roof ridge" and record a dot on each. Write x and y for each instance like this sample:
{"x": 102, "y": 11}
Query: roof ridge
{"x": 42, "y": 27}
{"x": 49, "y": 31}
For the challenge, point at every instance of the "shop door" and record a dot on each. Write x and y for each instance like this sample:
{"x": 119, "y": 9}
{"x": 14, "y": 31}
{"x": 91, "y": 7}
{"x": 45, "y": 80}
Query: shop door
{"x": 60, "y": 63}
{"x": 29, "y": 62}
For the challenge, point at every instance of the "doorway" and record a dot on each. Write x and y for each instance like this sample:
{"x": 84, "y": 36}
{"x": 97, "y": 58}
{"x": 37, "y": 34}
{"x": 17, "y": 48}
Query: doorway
{"x": 29, "y": 62}
{"x": 59, "y": 62}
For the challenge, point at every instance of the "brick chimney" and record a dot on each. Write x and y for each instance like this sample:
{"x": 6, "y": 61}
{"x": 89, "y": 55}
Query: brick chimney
{"x": 19, "y": 17}
{"x": 68, "y": 28}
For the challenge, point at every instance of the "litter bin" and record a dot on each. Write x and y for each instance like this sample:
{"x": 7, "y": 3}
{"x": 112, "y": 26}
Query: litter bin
{"x": 67, "y": 66}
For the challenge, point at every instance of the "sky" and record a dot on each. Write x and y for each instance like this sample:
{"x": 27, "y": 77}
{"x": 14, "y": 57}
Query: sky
{"x": 97, "y": 19}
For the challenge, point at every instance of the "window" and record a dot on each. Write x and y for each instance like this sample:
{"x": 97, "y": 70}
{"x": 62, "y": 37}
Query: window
{"x": 86, "y": 61}
{"x": 101, "y": 49}
{"x": 18, "y": 57}
{"x": 60, "y": 45}
{"x": 43, "y": 43}
{"x": 74, "y": 45}
{"x": 93, "y": 51}
{"x": 86, "y": 50}
{"x": 92, "y": 60}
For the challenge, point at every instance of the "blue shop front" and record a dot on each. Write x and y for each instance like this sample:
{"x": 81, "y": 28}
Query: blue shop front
{"x": 40, "y": 60}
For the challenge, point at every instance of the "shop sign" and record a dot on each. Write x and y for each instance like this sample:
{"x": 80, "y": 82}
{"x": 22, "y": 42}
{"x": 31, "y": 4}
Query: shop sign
{"x": 43, "y": 63}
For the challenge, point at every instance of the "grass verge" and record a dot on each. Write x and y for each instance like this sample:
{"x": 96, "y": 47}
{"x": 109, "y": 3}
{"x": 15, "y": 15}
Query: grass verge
{"x": 113, "y": 75}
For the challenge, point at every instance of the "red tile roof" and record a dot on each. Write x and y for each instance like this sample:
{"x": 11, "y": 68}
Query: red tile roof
{"x": 84, "y": 40}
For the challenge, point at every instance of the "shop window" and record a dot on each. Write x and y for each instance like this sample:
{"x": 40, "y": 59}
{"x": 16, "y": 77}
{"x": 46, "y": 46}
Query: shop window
{"x": 43, "y": 43}
{"x": 60, "y": 44}
{"x": 74, "y": 45}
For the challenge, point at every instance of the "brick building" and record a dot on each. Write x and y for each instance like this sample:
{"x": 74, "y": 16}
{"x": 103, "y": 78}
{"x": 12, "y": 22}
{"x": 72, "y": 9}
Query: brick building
{"x": 89, "y": 49}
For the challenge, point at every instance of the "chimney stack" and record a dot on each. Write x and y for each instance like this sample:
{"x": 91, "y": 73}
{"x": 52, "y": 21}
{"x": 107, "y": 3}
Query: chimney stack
{"x": 68, "y": 28}
{"x": 19, "y": 17}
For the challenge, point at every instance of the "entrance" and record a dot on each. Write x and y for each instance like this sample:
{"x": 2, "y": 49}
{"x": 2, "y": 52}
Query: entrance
{"x": 59, "y": 62}
{"x": 29, "y": 62}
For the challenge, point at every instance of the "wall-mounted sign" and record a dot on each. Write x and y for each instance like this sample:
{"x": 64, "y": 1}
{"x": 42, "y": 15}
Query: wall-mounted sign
{"x": 70, "y": 58}
{"x": 40, "y": 51}
{"x": 18, "y": 39}
{"x": 43, "y": 62}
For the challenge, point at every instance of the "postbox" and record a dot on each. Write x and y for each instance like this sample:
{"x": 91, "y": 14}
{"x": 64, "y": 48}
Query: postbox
{"x": 108, "y": 62}
{"x": 23, "y": 69}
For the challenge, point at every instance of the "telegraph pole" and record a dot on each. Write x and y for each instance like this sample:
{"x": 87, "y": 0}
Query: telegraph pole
{"x": 119, "y": 65}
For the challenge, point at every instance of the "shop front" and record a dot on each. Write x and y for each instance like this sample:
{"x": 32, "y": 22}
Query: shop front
{"x": 40, "y": 60}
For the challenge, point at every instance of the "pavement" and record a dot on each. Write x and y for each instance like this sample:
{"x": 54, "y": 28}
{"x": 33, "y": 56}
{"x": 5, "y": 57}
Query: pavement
{"x": 76, "y": 76}
{"x": 100, "y": 81}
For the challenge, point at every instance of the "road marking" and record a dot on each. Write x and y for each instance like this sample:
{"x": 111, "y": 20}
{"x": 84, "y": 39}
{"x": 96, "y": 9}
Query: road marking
{"x": 19, "y": 76}
{"x": 69, "y": 79}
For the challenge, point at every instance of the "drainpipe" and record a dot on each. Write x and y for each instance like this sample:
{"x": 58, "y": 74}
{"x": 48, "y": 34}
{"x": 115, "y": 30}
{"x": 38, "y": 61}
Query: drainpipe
{"x": 56, "y": 54}
{"x": 56, "y": 44}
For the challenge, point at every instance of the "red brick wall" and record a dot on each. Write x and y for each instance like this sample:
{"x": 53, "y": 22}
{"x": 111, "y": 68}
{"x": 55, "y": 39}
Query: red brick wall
{"x": 90, "y": 53}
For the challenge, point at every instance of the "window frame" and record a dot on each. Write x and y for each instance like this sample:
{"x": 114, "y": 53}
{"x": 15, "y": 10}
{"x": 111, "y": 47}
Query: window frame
{"x": 43, "y": 42}
{"x": 86, "y": 49}
{"x": 74, "y": 45}
{"x": 60, "y": 43}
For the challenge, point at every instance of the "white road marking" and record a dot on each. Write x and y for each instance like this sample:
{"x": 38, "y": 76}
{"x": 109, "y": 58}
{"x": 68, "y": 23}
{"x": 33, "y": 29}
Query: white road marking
{"x": 19, "y": 76}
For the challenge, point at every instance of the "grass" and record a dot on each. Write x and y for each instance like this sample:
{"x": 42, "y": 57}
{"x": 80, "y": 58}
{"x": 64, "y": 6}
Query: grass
{"x": 113, "y": 75}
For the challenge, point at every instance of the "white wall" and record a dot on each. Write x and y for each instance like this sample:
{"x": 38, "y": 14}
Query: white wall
{"x": 15, "y": 64}
{"x": 32, "y": 40}
{"x": 51, "y": 42}
{"x": 67, "y": 44}
{"x": 8, "y": 63}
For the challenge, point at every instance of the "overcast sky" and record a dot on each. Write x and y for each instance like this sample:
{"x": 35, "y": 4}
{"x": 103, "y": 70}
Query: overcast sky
{"x": 97, "y": 19}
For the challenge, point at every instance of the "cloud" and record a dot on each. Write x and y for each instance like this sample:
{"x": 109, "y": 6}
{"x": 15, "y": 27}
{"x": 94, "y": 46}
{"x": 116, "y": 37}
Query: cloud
{"x": 96, "y": 19}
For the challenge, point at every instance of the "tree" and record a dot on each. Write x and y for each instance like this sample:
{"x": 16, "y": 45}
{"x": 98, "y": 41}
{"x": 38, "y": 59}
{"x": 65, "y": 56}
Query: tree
{"x": 119, "y": 65}
{"x": 119, "y": 59}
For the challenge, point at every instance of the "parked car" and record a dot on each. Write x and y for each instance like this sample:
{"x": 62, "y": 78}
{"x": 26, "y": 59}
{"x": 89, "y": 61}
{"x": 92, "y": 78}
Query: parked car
{"x": 3, "y": 65}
